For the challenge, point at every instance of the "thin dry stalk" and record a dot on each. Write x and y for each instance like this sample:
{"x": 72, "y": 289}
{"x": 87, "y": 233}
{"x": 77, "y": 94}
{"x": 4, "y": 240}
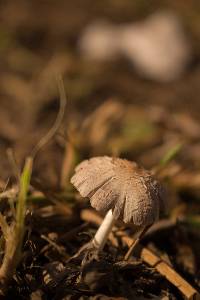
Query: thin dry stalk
{"x": 53, "y": 130}
{"x": 67, "y": 165}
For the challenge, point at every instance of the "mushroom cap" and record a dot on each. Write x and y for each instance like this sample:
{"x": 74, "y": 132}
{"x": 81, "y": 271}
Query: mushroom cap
{"x": 130, "y": 191}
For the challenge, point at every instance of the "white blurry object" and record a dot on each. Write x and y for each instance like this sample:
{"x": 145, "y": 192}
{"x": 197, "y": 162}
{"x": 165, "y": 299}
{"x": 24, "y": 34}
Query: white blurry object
{"x": 157, "y": 46}
{"x": 99, "y": 41}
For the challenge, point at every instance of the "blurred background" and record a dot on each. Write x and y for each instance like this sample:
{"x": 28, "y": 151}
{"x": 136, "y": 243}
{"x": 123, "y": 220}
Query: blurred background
{"x": 131, "y": 72}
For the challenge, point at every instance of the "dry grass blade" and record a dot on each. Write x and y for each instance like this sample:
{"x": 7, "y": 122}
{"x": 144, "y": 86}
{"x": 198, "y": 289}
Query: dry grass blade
{"x": 11, "y": 193}
{"x": 13, "y": 163}
{"x": 150, "y": 258}
{"x": 4, "y": 226}
{"x": 67, "y": 164}
{"x": 14, "y": 233}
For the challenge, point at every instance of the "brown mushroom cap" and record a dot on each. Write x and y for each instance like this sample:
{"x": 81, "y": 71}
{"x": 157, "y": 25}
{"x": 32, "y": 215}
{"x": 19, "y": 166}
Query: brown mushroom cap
{"x": 121, "y": 185}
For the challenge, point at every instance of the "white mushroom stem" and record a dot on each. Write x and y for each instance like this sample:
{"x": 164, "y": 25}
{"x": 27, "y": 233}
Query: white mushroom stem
{"x": 104, "y": 230}
{"x": 102, "y": 233}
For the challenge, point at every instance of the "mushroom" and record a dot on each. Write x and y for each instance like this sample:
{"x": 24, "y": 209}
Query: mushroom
{"x": 121, "y": 189}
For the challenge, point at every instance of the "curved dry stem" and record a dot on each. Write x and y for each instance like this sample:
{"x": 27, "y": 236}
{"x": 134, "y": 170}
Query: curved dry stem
{"x": 52, "y": 131}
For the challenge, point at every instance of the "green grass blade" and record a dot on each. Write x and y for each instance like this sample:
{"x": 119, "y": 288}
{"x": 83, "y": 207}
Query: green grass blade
{"x": 23, "y": 190}
{"x": 171, "y": 153}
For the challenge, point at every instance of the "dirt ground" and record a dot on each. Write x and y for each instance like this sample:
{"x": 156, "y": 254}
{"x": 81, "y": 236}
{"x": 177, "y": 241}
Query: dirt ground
{"x": 110, "y": 110}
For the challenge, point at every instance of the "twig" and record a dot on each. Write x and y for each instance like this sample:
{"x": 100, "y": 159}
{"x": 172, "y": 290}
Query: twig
{"x": 150, "y": 258}
{"x": 136, "y": 242}
{"x": 58, "y": 248}
{"x": 72, "y": 233}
